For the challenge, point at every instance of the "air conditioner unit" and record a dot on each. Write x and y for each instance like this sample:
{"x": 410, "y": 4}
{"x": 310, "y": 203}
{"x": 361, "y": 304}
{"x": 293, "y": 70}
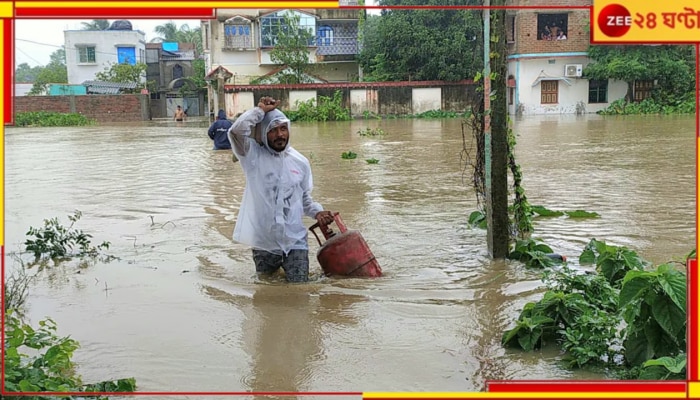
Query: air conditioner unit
{"x": 573, "y": 70}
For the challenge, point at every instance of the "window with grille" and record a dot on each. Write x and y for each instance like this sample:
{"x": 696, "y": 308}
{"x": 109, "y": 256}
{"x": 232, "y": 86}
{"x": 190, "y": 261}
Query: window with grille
{"x": 550, "y": 92}
{"x": 273, "y": 24}
{"x": 324, "y": 36}
{"x": 86, "y": 54}
{"x": 238, "y": 34}
{"x": 642, "y": 90}
{"x": 598, "y": 91}
{"x": 552, "y": 26}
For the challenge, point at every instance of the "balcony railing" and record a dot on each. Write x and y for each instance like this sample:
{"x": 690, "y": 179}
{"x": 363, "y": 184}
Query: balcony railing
{"x": 336, "y": 46}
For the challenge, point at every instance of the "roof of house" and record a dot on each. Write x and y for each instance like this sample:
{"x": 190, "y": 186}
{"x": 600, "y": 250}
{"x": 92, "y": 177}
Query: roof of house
{"x": 177, "y": 55}
{"x": 101, "y": 87}
{"x": 212, "y": 74}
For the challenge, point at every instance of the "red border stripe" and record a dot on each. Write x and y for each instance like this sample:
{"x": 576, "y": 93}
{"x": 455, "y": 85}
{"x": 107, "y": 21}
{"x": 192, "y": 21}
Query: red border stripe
{"x": 115, "y": 12}
{"x": 587, "y": 386}
{"x": 692, "y": 309}
{"x": 8, "y": 43}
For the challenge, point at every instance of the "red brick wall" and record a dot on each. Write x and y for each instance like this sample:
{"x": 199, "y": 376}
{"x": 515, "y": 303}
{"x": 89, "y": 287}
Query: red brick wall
{"x": 526, "y": 42}
{"x": 103, "y": 108}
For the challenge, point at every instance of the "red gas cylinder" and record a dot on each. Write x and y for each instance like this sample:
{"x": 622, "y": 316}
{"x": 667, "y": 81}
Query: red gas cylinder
{"x": 345, "y": 253}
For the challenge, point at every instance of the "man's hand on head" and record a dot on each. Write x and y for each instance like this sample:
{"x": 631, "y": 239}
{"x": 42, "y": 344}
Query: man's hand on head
{"x": 268, "y": 104}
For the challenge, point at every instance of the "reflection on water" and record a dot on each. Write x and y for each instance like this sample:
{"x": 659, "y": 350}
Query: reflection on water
{"x": 181, "y": 309}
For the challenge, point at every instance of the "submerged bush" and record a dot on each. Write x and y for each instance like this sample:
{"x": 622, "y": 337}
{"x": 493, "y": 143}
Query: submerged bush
{"x": 48, "y": 366}
{"x": 47, "y": 118}
{"x": 626, "y": 317}
{"x": 682, "y": 105}
{"x": 327, "y": 109}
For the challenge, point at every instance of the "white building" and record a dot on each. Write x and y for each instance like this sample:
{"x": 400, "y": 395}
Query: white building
{"x": 547, "y": 53}
{"x": 90, "y": 52}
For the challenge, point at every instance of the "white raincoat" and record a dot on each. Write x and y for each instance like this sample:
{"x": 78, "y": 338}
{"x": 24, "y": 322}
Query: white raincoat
{"x": 278, "y": 187}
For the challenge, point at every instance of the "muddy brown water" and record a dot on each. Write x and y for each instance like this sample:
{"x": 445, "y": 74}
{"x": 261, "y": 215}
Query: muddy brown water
{"x": 180, "y": 309}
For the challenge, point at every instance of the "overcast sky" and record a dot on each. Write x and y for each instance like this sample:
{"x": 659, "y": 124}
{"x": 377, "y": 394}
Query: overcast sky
{"x": 35, "y": 40}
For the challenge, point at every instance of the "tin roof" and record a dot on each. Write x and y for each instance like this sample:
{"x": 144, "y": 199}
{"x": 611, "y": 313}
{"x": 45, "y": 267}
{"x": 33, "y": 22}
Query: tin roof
{"x": 183, "y": 55}
{"x": 101, "y": 87}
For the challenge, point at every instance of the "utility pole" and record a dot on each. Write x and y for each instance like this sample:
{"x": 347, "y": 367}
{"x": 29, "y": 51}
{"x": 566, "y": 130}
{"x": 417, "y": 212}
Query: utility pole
{"x": 496, "y": 132}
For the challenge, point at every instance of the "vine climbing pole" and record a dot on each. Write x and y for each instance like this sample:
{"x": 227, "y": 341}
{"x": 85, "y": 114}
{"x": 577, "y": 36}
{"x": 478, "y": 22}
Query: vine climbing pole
{"x": 496, "y": 129}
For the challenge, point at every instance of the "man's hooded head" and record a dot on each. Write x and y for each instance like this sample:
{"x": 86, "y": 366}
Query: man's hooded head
{"x": 276, "y": 128}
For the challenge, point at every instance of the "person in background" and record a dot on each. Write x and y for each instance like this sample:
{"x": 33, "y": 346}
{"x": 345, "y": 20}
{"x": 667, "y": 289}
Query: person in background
{"x": 180, "y": 114}
{"x": 277, "y": 193}
{"x": 218, "y": 132}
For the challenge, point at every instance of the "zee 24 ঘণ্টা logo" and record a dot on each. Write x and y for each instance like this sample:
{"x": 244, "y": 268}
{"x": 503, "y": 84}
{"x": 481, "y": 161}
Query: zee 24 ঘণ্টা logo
{"x": 670, "y": 21}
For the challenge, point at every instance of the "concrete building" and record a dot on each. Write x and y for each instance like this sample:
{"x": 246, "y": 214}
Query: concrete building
{"x": 89, "y": 52}
{"x": 170, "y": 66}
{"x": 547, "y": 54}
{"x": 240, "y": 41}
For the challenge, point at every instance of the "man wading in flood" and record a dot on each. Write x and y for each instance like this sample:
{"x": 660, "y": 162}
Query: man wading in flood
{"x": 277, "y": 193}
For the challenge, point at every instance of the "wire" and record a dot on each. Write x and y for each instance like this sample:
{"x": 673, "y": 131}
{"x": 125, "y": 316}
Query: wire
{"x": 27, "y": 55}
{"x": 58, "y": 47}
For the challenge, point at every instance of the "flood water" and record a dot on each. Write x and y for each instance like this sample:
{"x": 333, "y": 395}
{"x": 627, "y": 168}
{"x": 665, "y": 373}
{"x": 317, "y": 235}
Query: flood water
{"x": 181, "y": 310}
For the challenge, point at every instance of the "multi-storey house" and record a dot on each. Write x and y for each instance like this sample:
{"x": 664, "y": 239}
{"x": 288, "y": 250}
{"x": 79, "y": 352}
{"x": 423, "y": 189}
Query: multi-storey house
{"x": 169, "y": 66}
{"x": 240, "y": 42}
{"x": 548, "y": 50}
{"x": 91, "y": 51}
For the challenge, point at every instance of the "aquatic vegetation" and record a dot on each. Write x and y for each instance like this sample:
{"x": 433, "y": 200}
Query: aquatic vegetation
{"x": 370, "y": 132}
{"x": 348, "y": 155}
{"x": 533, "y": 254}
{"x": 545, "y": 212}
{"x": 55, "y": 240}
{"x": 49, "y": 118}
{"x": 48, "y": 366}
{"x": 627, "y": 318}
{"x": 372, "y": 161}
{"x": 325, "y": 109}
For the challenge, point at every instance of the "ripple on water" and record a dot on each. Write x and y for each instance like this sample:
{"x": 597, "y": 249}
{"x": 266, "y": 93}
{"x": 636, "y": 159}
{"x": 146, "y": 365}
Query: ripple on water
{"x": 168, "y": 204}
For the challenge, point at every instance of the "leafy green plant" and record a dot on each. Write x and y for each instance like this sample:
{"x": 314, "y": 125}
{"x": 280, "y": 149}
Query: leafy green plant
{"x": 636, "y": 326}
{"x": 348, "y": 155}
{"x": 533, "y": 254}
{"x": 436, "y": 114}
{"x": 370, "y": 132}
{"x": 665, "y": 368}
{"x": 653, "y": 304}
{"x": 372, "y": 161}
{"x": 592, "y": 338}
{"x": 54, "y": 240}
{"x": 545, "y": 212}
{"x": 612, "y": 261}
{"x": 528, "y": 331}
{"x": 477, "y": 219}
{"x": 368, "y": 114}
{"x": 327, "y": 109}
{"x": 49, "y": 367}
{"x": 595, "y": 289}
{"x": 49, "y": 118}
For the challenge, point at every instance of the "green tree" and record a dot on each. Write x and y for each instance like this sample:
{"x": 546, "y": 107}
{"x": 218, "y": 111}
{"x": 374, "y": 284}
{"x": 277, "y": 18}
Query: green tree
{"x": 54, "y": 72}
{"x": 96, "y": 25}
{"x": 26, "y": 74}
{"x": 671, "y": 66}
{"x": 422, "y": 44}
{"x": 123, "y": 73}
{"x": 170, "y": 32}
{"x": 292, "y": 48}
{"x": 199, "y": 73}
